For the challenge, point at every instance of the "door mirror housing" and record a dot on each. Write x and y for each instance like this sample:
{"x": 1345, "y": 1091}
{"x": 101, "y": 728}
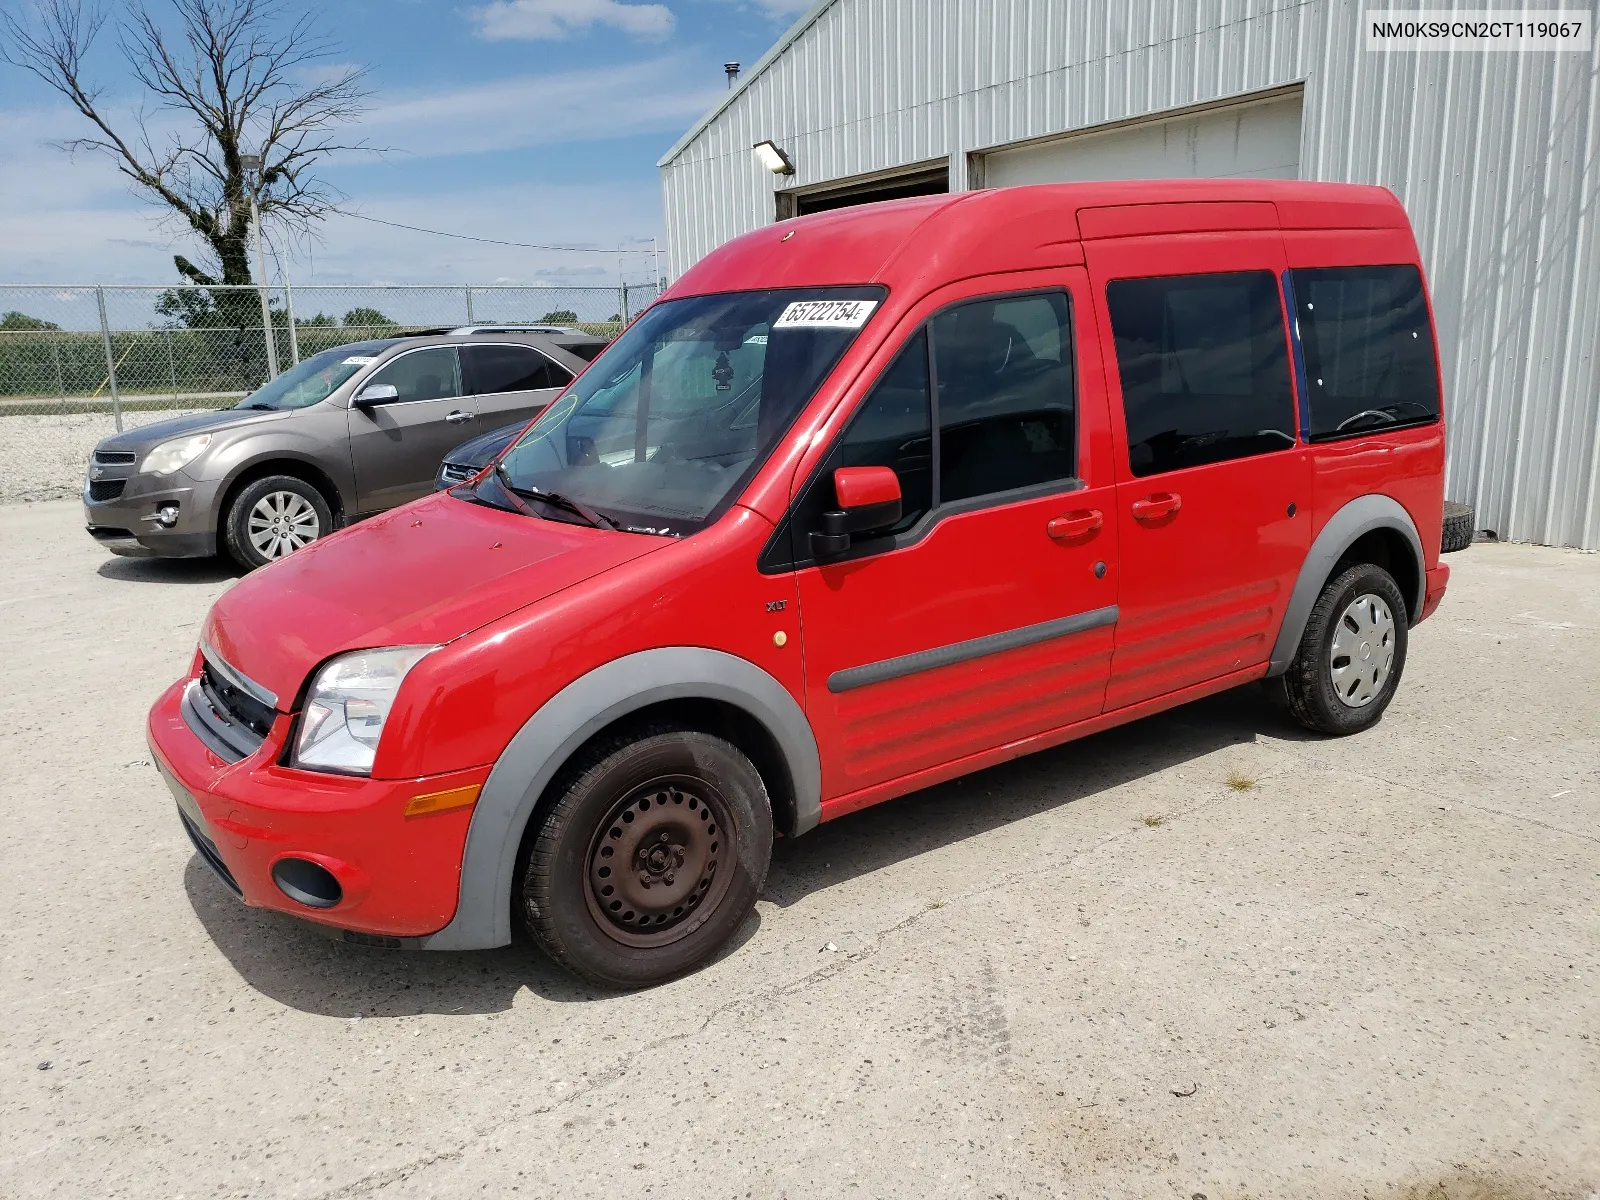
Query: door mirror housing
{"x": 869, "y": 502}
{"x": 376, "y": 393}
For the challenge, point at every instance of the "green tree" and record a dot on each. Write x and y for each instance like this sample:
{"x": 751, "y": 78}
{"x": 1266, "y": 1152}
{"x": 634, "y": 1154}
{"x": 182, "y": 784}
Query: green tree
{"x": 362, "y": 317}
{"x": 557, "y": 316}
{"x": 320, "y": 321}
{"x": 19, "y": 322}
{"x": 237, "y": 76}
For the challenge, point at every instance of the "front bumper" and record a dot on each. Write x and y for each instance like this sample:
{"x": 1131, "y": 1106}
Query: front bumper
{"x": 128, "y": 523}
{"x": 399, "y": 877}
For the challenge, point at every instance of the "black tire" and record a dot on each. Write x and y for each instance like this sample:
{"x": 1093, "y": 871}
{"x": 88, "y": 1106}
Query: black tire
{"x": 236, "y": 521}
{"x": 655, "y": 804}
{"x": 1459, "y": 520}
{"x": 1309, "y": 684}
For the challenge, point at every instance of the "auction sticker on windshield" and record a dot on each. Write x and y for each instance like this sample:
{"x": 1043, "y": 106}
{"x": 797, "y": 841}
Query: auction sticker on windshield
{"x": 359, "y": 360}
{"x": 826, "y": 314}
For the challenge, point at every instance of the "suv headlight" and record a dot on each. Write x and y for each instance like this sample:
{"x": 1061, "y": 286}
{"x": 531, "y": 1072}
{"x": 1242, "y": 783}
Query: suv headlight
{"x": 347, "y": 707}
{"x": 171, "y": 456}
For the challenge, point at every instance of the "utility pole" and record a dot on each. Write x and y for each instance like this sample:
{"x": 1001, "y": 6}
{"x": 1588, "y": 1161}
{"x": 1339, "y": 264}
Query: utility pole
{"x": 655, "y": 253}
{"x": 252, "y": 165}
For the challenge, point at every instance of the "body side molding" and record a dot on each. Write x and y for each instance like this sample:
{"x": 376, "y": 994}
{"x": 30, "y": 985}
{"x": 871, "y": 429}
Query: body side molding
{"x": 568, "y": 719}
{"x": 1360, "y": 516}
{"x": 959, "y": 652}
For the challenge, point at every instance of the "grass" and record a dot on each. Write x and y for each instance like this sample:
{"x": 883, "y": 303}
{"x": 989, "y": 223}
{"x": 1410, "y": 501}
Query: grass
{"x": 1240, "y": 783}
{"x": 1152, "y": 822}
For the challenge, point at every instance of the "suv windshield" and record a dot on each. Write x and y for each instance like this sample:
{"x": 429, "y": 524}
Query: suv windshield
{"x": 676, "y": 415}
{"x": 313, "y": 379}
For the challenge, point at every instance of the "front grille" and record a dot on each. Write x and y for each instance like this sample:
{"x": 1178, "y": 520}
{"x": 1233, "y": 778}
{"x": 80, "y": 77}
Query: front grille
{"x": 109, "y": 457}
{"x": 207, "y": 849}
{"x": 101, "y": 490}
{"x": 234, "y": 704}
{"x": 454, "y": 473}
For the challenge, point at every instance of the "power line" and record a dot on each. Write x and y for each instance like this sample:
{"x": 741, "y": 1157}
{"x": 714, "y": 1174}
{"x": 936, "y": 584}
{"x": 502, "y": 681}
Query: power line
{"x": 467, "y": 237}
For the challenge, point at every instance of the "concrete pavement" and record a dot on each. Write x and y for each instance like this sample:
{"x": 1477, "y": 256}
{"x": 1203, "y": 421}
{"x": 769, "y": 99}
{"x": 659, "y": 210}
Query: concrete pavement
{"x": 1203, "y": 954}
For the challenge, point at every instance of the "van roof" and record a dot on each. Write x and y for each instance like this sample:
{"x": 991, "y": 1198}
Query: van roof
{"x": 899, "y": 241}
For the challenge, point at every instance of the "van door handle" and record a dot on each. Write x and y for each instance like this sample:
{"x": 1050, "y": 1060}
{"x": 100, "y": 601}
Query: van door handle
{"x": 1154, "y": 508}
{"x": 458, "y": 416}
{"x": 1077, "y": 524}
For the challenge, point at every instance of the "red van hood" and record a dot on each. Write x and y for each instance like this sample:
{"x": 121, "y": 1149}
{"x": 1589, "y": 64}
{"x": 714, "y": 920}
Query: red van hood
{"x": 418, "y": 575}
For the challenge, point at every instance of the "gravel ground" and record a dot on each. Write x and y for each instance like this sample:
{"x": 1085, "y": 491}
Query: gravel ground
{"x": 1203, "y": 955}
{"x": 44, "y": 458}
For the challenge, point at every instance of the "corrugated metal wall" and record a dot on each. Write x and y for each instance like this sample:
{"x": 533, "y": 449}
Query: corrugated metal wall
{"x": 1496, "y": 157}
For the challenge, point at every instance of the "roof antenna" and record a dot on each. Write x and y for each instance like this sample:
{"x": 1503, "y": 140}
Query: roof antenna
{"x": 732, "y": 69}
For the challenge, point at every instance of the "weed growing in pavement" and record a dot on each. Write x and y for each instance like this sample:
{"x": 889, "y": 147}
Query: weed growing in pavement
{"x": 1152, "y": 822}
{"x": 1240, "y": 783}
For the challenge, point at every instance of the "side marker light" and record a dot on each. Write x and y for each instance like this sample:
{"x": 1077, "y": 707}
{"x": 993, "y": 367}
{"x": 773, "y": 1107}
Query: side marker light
{"x": 438, "y": 802}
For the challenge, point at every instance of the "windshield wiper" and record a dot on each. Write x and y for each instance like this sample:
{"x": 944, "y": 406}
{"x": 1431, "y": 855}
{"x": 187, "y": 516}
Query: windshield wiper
{"x": 262, "y": 407}
{"x": 555, "y": 499}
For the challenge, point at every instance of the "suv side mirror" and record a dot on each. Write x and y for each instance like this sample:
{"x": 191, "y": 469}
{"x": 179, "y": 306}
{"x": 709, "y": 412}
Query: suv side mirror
{"x": 869, "y": 501}
{"x": 377, "y": 393}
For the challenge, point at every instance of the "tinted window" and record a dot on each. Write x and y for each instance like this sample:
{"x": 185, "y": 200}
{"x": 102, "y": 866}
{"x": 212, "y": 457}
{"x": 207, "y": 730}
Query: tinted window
{"x": 588, "y": 351}
{"x": 1204, "y": 368}
{"x": 1368, "y": 349}
{"x": 510, "y": 369}
{"x": 893, "y": 429}
{"x": 430, "y": 374}
{"x": 1006, "y": 415}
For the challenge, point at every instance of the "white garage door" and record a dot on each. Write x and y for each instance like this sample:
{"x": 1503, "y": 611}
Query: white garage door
{"x": 1256, "y": 140}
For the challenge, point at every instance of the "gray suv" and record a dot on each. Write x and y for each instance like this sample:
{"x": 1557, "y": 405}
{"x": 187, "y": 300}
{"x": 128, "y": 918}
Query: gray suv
{"x": 345, "y": 434}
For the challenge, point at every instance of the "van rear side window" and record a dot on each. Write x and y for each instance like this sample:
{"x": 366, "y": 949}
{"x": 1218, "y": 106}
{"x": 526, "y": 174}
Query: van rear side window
{"x": 1368, "y": 349}
{"x": 1205, "y": 368}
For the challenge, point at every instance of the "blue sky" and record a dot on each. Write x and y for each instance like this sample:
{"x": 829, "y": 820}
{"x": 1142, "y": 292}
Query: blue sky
{"x": 524, "y": 120}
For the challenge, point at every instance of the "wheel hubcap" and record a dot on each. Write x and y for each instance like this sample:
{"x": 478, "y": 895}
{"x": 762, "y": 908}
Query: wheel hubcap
{"x": 1363, "y": 650}
{"x": 660, "y": 856}
{"x": 281, "y": 523}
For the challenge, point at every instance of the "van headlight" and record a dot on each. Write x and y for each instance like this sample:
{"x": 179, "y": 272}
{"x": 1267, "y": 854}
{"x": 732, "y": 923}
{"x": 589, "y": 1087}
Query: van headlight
{"x": 174, "y": 455}
{"x": 347, "y": 707}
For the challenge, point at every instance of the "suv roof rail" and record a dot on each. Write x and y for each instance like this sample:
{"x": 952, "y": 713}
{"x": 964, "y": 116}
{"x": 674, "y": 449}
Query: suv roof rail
{"x": 463, "y": 330}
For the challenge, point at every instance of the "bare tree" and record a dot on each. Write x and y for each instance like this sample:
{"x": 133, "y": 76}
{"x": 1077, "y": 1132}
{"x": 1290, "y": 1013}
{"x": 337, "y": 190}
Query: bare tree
{"x": 230, "y": 83}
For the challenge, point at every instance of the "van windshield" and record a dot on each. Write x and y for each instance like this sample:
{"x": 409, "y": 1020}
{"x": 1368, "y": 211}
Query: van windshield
{"x": 675, "y": 416}
{"x": 313, "y": 379}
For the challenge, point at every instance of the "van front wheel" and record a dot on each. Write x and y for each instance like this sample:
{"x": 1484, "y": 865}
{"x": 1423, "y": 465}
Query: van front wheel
{"x": 1351, "y": 654}
{"x": 650, "y": 858}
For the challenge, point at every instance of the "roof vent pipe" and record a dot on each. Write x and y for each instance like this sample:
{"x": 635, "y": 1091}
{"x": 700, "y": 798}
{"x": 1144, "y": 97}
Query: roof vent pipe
{"x": 732, "y": 68}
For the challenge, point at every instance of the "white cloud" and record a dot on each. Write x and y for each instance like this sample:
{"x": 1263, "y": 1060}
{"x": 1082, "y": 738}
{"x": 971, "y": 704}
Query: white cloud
{"x": 533, "y": 110}
{"x": 532, "y": 20}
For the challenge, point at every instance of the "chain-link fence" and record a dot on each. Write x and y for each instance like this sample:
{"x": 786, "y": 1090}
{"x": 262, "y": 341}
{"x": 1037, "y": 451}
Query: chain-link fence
{"x": 80, "y": 362}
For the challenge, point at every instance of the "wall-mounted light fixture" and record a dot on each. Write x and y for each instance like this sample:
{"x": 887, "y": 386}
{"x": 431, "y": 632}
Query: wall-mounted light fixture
{"x": 771, "y": 156}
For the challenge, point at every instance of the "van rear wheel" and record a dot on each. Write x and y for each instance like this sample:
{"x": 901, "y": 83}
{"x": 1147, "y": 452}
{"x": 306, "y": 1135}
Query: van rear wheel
{"x": 1352, "y": 653}
{"x": 650, "y": 858}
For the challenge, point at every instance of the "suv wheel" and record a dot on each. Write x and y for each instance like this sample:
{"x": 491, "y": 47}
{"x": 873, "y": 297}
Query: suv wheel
{"x": 650, "y": 858}
{"x": 274, "y": 517}
{"x": 1352, "y": 653}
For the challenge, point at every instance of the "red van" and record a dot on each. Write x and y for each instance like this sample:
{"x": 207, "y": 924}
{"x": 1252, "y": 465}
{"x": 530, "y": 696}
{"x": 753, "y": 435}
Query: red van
{"x": 868, "y": 500}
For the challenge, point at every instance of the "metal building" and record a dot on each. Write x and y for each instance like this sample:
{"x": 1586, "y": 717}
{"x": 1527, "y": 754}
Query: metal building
{"x": 1496, "y": 157}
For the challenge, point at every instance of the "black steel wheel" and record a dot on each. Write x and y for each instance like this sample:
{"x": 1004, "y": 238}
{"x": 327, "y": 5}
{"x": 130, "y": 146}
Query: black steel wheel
{"x": 653, "y": 861}
{"x": 648, "y": 857}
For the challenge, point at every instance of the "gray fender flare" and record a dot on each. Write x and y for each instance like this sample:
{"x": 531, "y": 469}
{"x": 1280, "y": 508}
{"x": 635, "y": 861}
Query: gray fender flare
{"x": 1360, "y": 516}
{"x": 571, "y": 717}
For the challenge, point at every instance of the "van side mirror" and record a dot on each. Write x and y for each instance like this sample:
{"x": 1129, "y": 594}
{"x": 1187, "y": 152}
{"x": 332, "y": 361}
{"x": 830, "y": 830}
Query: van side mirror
{"x": 869, "y": 501}
{"x": 377, "y": 393}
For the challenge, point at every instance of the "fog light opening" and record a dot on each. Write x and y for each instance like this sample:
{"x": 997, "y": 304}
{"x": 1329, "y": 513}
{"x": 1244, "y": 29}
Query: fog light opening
{"x": 307, "y": 883}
